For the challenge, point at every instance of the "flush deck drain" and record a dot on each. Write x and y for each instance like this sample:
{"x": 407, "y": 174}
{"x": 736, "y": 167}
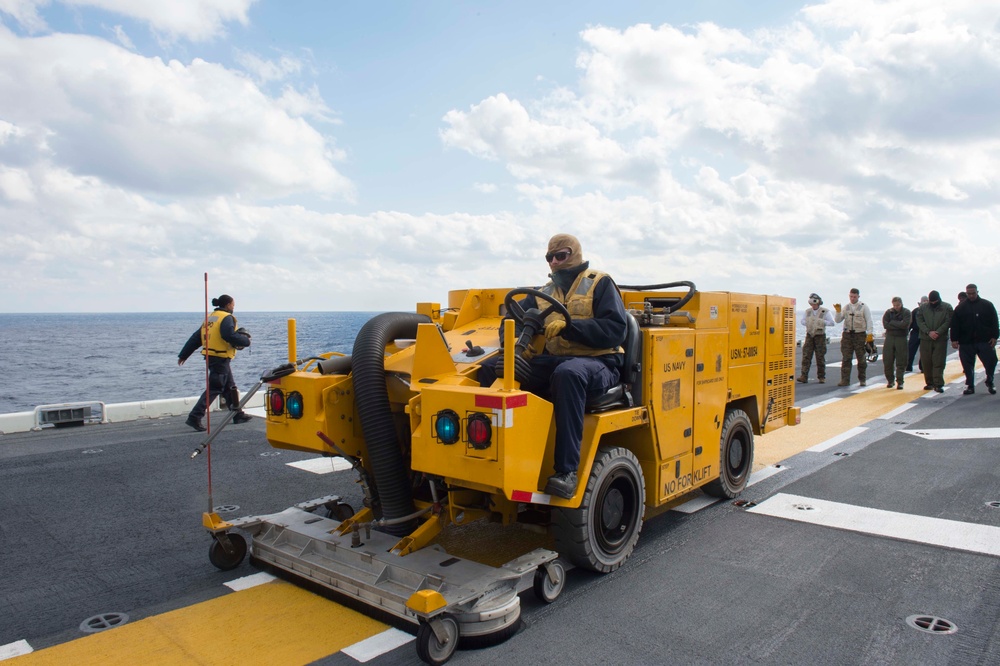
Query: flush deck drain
{"x": 103, "y": 622}
{"x": 227, "y": 508}
{"x": 931, "y": 624}
{"x": 993, "y": 505}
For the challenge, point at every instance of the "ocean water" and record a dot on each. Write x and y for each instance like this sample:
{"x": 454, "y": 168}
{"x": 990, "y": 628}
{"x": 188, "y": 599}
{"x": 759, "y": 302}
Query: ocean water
{"x": 56, "y": 358}
{"x": 125, "y": 357}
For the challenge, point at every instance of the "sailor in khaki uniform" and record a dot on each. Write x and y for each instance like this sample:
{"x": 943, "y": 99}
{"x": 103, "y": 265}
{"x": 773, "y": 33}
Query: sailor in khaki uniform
{"x": 816, "y": 319}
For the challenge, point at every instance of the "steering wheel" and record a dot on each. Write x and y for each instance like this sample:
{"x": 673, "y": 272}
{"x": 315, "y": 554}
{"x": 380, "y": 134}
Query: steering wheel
{"x": 534, "y": 318}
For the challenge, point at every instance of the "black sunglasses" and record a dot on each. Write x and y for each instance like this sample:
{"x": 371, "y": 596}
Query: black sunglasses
{"x": 561, "y": 255}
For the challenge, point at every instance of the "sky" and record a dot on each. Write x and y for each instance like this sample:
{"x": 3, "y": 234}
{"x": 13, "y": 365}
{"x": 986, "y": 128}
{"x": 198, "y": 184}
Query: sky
{"x": 313, "y": 155}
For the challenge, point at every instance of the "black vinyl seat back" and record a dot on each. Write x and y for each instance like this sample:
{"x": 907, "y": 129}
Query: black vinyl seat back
{"x": 622, "y": 394}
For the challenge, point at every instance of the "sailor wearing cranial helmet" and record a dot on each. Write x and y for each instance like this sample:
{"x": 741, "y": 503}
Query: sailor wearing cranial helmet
{"x": 816, "y": 319}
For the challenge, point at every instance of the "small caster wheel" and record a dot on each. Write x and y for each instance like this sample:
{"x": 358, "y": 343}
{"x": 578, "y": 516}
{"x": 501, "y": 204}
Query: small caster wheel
{"x": 550, "y": 579}
{"x": 437, "y": 640}
{"x": 227, "y": 551}
{"x": 340, "y": 511}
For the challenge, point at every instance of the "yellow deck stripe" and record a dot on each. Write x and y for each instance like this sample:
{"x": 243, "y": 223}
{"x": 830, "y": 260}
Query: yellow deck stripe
{"x": 830, "y": 420}
{"x": 274, "y": 623}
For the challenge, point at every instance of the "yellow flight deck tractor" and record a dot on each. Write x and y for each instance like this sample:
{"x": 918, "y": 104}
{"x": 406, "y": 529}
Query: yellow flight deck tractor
{"x": 704, "y": 372}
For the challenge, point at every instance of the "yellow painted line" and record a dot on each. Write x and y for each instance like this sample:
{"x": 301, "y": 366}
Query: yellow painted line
{"x": 274, "y": 623}
{"x": 819, "y": 425}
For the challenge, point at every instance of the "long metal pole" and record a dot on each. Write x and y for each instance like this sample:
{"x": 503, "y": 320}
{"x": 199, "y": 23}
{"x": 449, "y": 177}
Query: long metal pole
{"x": 208, "y": 397}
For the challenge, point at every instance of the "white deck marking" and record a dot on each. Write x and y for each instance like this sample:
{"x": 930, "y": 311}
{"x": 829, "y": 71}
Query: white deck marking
{"x": 956, "y": 433}
{"x": 896, "y": 412}
{"x": 699, "y": 503}
{"x": 321, "y": 465}
{"x": 253, "y": 580}
{"x": 822, "y": 403}
{"x": 377, "y": 645}
{"x": 833, "y": 441}
{"x": 953, "y": 534}
{"x": 256, "y": 411}
{"x": 15, "y": 649}
{"x": 762, "y": 474}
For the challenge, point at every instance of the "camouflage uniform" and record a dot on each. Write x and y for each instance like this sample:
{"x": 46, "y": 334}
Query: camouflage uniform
{"x": 857, "y": 320}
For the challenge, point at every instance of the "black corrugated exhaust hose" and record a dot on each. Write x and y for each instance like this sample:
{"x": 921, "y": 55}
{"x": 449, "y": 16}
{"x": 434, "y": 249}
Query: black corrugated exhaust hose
{"x": 371, "y": 397}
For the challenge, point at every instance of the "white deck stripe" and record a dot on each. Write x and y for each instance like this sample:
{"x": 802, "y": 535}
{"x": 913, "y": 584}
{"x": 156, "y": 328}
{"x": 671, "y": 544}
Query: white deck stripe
{"x": 15, "y": 649}
{"x": 699, "y": 503}
{"x": 954, "y": 534}
{"x": 253, "y": 580}
{"x": 833, "y": 441}
{"x": 822, "y": 403}
{"x": 321, "y": 465}
{"x": 377, "y": 645}
{"x": 956, "y": 433}
{"x": 762, "y": 474}
{"x": 896, "y": 412}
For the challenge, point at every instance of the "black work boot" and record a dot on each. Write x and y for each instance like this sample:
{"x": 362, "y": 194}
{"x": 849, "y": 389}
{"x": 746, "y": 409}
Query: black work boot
{"x": 563, "y": 485}
{"x": 241, "y": 417}
{"x": 195, "y": 423}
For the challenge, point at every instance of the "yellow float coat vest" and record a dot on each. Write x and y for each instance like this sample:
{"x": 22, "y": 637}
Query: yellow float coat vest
{"x": 212, "y": 342}
{"x": 580, "y": 304}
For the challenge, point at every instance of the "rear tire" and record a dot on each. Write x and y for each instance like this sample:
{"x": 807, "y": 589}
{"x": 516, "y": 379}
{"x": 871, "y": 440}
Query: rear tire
{"x": 602, "y": 533}
{"x": 735, "y": 456}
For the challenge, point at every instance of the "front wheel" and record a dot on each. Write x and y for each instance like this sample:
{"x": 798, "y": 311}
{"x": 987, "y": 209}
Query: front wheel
{"x": 227, "y": 555}
{"x": 550, "y": 579}
{"x": 433, "y": 648}
{"x": 735, "y": 456}
{"x": 602, "y": 533}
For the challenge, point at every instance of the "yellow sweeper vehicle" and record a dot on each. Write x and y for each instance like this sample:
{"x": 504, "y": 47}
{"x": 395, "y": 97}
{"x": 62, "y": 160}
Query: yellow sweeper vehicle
{"x": 435, "y": 452}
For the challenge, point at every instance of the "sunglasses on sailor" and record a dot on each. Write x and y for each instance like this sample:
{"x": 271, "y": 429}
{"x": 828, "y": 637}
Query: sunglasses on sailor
{"x": 559, "y": 255}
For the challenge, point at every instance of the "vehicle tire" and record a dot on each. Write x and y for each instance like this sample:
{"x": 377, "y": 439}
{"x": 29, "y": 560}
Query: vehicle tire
{"x": 735, "y": 456}
{"x": 224, "y": 561}
{"x": 602, "y": 533}
{"x": 545, "y": 589}
{"x": 430, "y": 649}
{"x": 339, "y": 511}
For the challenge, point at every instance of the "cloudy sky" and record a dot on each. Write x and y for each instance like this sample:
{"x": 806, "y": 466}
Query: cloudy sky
{"x": 314, "y": 155}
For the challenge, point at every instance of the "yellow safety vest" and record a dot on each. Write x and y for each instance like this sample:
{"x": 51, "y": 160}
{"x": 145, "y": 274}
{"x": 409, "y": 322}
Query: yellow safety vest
{"x": 580, "y": 304}
{"x": 212, "y": 342}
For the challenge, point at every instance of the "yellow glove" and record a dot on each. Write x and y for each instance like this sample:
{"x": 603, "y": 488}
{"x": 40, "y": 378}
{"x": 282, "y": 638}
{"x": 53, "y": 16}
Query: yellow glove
{"x": 554, "y": 328}
{"x": 871, "y": 338}
{"x": 836, "y": 306}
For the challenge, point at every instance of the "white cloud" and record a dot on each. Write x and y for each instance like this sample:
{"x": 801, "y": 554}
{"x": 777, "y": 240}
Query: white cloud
{"x": 861, "y": 129}
{"x": 268, "y": 70}
{"x": 196, "y": 20}
{"x": 165, "y": 128}
{"x": 903, "y": 102}
{"x": 25, "y": 13}
{"x": 484, "y": 188}
{"x": 122, "y": 37}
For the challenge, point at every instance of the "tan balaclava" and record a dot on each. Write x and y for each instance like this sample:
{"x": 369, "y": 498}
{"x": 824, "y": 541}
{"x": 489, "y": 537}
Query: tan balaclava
{"x": 560, "y": 241}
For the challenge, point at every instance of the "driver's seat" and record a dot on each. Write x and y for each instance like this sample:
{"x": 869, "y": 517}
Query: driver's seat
{"x": 621, "y": 395}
